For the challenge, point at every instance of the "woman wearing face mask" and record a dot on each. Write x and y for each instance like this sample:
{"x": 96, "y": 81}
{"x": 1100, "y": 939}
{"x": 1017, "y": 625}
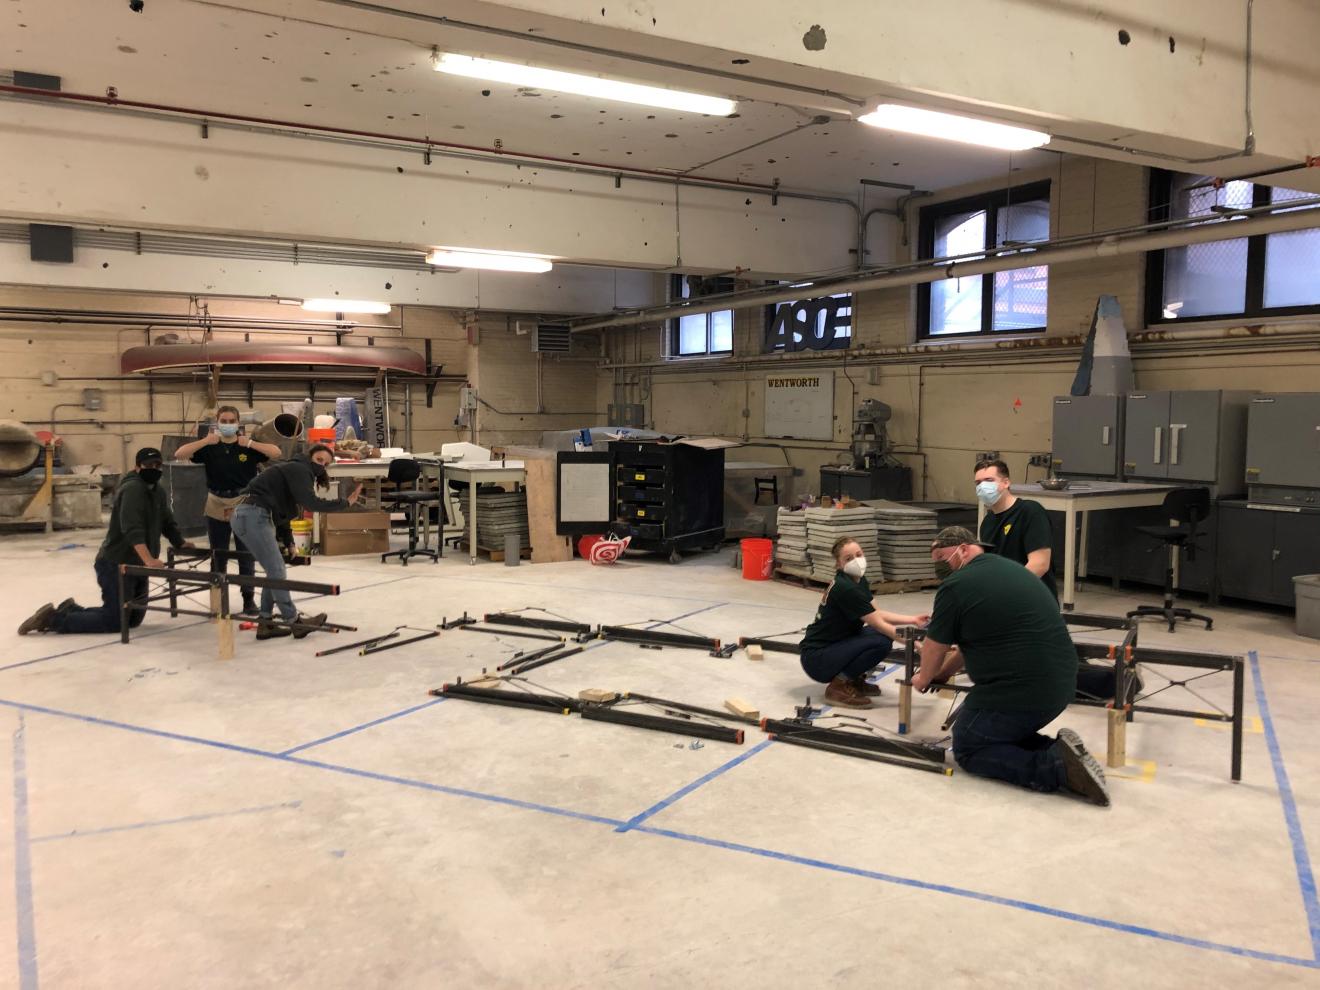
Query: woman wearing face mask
{"x": 231, "y": 462}
{"x": 849, "y": 635}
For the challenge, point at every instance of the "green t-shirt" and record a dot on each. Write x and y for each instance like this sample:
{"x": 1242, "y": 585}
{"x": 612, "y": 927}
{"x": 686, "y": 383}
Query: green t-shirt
{"x": 1018, "y": 652}
{"x": 1017, "y": 531}
{"x": 840, "y": 614}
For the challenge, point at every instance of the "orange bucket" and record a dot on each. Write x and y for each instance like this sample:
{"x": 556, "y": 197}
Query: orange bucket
{"x": 326, "y": 436}
{"x": 758, "y": 559}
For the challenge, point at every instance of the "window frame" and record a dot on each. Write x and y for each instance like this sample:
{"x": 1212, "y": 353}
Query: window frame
{"x": 991, "y": 203}
{"x": 672, "y": 332}
{"x": 1160, "y": 209}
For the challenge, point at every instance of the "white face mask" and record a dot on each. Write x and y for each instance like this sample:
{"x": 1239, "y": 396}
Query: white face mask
{"x": 855, "y": 568}
{"x": 987, "y": 492}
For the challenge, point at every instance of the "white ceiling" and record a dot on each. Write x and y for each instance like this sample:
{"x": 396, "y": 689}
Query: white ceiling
{"x": 376, "y": 76}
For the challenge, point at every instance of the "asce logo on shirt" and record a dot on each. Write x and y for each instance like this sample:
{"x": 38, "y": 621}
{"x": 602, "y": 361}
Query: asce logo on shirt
{"x": 1008, "y": 529}
{"x": 243, "y": 458}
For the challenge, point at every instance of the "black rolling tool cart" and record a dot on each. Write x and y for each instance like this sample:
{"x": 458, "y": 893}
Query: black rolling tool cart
{"x": 669, "y": 497}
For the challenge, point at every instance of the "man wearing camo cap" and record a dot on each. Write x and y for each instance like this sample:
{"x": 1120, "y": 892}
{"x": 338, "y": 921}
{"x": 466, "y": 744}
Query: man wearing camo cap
{"x": 1022, "y": 663}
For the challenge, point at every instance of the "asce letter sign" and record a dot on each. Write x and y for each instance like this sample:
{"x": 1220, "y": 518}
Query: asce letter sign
{"x": 814, "y": 324}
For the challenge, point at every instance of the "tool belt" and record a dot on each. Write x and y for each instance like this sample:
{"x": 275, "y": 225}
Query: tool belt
{"x": 219, "y": 507}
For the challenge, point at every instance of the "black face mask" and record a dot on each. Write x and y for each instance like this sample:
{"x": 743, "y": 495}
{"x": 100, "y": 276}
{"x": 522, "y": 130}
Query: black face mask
{"x": 322, "y": 478}
{"x": 943, "y": 569}
{"x": 149, "y": 475}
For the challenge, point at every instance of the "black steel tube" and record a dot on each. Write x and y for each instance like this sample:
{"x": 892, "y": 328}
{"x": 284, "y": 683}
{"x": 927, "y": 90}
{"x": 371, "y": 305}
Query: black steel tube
{"x": 534, "y": 655}
{"x": 368, "y": 650}
{"x": 353, "y": 646}
{"x": 1238, "y": 675}
{"x": 511, "y": 632}
{"x": 839, "y": 737}
{"x": 533, "y": 664}
{"x": 683, "y": 706}
{"x": 511, "y": 699}
{"x": 1183, "y": 713}
{"x": 658, "y": 723}
{"x": 863, "y": 754}
{"x": 243, "y": 580}
{"x": 123, "y": 604}
{"x": 513, "y": 619}
{"x": 625, "y": 634}
{"x": 1096, "y": 621}
{"x": 1175, "y": 658}
{"x": 772, "y": 645}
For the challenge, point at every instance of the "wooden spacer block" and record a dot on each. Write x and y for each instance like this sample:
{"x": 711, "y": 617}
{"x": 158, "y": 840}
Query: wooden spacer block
{"x": 226, "y": 636}
{"x": 598, "y": 695}
{"x": 755, "y": 651}
{"x": 1116, "y": 755}
{"x": 743, "y": 708}
{"x": 485, "y": 682}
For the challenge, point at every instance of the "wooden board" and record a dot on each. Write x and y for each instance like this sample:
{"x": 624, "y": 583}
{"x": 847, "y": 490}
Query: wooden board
{"x": 547, "y": 546}
{"x": 490, "y": 553}
{"x": 744, "y": 708}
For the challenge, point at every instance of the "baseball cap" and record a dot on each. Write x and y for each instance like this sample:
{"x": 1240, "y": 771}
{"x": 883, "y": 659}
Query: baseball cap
{"x": 146, "y": 454}
{"x": 954, "y": 536}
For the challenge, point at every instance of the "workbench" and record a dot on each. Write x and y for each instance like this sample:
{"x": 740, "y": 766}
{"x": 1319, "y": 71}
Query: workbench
{"x": 1085, "y": 497}
{"x": 482, "y": 472}
{"x": 376, "y": 469}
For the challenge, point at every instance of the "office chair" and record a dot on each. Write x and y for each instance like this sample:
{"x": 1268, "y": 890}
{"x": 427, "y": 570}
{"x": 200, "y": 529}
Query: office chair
{"x": 1185, "y": 506}
{"x": 405, "y": 470}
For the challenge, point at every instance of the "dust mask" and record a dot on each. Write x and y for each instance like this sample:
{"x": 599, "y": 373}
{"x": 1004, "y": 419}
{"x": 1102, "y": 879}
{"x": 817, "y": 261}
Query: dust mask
{"x": 855, "y": 568}
{"x": 228, "y": 429}
{"x": 987, "y": 492}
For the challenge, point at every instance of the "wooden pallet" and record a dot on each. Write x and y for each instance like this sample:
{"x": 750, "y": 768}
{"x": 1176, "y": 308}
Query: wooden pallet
{"x": 490, "y": 553}
{"x": 804, "y": 579}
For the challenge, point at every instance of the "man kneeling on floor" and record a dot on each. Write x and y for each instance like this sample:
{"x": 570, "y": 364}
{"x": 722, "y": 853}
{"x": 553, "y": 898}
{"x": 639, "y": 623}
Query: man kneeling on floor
{"x": 1022, "y": 663}
{"x": 139, "y": 518}
{"x": 280, "y": 493}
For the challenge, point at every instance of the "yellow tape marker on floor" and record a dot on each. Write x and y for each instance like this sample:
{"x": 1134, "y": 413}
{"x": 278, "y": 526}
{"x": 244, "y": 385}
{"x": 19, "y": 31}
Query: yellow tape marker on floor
{"x": 1253, "y": 725}
{"x": 1145, "y": 771}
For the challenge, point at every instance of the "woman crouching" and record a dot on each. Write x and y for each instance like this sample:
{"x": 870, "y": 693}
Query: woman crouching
{"x": 849, "y": 636}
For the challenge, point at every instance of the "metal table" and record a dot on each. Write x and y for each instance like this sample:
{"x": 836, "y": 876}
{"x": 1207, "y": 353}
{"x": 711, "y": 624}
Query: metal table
{"x": 475, "y": 473}
{"x": 1085, "y": 497}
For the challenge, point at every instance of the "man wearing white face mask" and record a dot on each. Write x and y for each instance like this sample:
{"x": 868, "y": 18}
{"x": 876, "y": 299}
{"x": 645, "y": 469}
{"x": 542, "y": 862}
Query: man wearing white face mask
{"x": 849, "y": 635}
{"x": 231, "y": 462}
{"x": 1016, "y": 528}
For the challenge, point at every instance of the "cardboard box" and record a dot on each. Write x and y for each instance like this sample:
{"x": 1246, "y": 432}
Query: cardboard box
{"x": 344, "y": 533}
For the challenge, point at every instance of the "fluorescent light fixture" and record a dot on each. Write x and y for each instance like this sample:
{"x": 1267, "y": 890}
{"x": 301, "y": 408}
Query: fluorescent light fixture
{"x": 953, "y": 127}
{"x": 345, "y": 306}
{"x": 500, "y": 261}
{"x": 572, "y": 82}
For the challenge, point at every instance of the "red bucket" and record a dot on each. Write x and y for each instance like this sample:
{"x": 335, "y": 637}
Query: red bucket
{"x": 758, "y": 559}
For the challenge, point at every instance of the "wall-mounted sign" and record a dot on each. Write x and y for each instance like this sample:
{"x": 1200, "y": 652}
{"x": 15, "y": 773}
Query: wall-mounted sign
{"x": 800, "y": 406}
{"x": 823, "y": 324}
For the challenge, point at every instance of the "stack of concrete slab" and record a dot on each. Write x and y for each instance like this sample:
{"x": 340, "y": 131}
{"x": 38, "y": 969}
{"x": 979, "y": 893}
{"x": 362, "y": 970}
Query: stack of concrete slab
{"x": 826, "y": 526}
{"x": 905, "y": 534}
{"x": 791, "y": 547}
{"x": 500, "y": 514}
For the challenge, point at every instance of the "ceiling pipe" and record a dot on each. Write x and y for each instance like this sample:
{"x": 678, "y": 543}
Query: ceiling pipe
{"x": 1299, "y": 215}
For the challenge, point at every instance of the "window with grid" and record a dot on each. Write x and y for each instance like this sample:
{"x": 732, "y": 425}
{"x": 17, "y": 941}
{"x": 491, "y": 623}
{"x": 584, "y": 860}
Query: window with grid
{"x": 705, "y": 333}
{"x": 1265, "y": 275}
{"x": 979, "y": 227}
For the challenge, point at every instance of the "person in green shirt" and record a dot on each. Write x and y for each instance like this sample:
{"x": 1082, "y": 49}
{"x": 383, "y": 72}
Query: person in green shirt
{"x": 849, "y": 636}
{"x": 1014, "y": 645}
{"x": 140, "y": 517}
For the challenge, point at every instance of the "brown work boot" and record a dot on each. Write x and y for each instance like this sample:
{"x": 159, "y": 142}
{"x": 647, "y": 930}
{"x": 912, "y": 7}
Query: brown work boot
{"x": 268, "y": 630}
{"x": 307, "y": 624}
{"x": 1085, "y": 776}
{"x": 866, "y": 687}
{"x": 842, "y": 691}
{"x": 38, "y": 621}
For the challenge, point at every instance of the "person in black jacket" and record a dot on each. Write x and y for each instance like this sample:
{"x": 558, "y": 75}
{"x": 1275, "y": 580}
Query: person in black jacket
{"x": 277, "y": 495}
{"x": 140, "y": 517}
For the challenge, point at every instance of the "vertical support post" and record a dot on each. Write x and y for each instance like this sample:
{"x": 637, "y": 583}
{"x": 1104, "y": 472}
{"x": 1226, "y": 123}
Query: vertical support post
{"x": 173, "y": 586}
{"x": 123, "y": 606}
{"x": 472, "y": 520}
{"x": 1238, "y": 717}
{"x": 905, "y": 689}
{"x": 1116, "y": 755}
{"x": 217, "y": 598}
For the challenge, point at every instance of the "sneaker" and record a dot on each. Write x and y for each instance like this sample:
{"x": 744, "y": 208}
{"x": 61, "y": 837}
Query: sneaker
{"x": 308, "y": 623}
{"x": 38, "y": 621}
{"x": 865, "y": 687}
{"x": 1084, "y": 774}
{"x": 842, "y": 691}
{"x": 268, "y": 630}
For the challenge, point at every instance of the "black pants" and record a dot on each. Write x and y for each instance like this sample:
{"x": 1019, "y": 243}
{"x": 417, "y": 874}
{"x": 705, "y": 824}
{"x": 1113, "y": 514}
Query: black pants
{"x": 218, "y": 533}
{"x": 106, "y": 618}
{"x": 851, "y": 657}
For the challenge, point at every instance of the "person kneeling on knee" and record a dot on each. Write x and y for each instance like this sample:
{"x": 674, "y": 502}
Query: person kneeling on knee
{"x": 849, "y": 636}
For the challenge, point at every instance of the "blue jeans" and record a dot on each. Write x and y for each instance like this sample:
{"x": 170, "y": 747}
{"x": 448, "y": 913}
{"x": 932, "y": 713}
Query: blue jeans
{"x": 254, "y": 527}
{"x": 851, "y": 657}
{"x": 1008, "y": 746}
{"x": 218, "y": 533}
{"x": 104, "y": 619}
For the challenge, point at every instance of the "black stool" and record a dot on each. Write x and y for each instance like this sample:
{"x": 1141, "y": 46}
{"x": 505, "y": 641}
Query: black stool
{"x": 1185, "y": 506}
{"x": 402, "y": 471}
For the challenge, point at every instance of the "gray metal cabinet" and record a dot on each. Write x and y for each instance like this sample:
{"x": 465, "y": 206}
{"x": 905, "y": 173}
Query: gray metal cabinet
{"x": 1189, "y": 435}
{"x": 1283, "y": 440}
{"x": 1261, "y": 550}
{"x": 1087, "y": 435}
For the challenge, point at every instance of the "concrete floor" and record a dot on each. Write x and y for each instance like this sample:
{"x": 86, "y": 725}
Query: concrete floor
{"x": 280, "y": 819}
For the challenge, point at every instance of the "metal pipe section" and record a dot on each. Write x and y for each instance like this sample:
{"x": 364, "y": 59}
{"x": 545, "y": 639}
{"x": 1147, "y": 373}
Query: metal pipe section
{"x": 1300, "y": 215}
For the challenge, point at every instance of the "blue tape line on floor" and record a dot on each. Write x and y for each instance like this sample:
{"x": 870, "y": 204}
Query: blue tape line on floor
{"x": 364, "y": 725}
{"x": 682, "y": 792}
{"x": 160, "y": 822}
{"x": 1301, "y": 859}
{"x": 27, "y": 931}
